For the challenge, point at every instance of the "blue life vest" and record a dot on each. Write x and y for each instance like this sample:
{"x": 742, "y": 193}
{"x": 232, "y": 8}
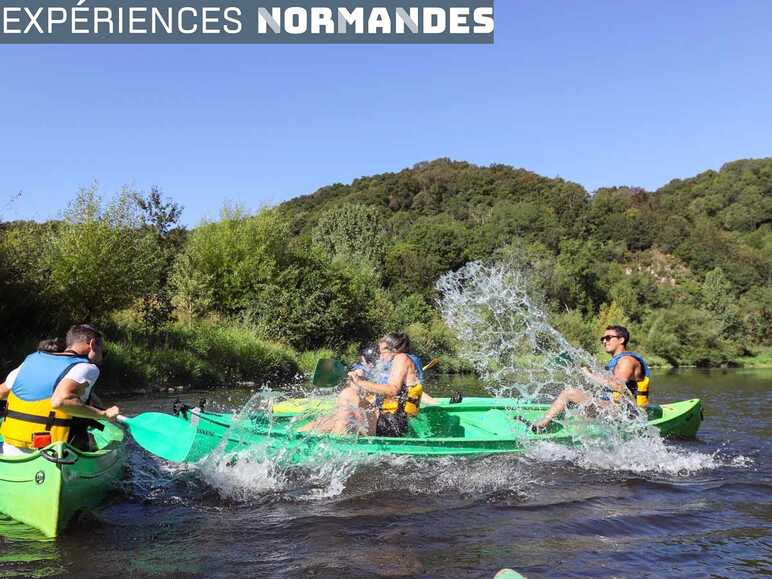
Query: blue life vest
{"x": 638, "y": 388}
{"x": 41, "y": 372}
{"x": 380, "y": 374}
{"x": 615, "y": 360}
{"x": 30, "y": 421}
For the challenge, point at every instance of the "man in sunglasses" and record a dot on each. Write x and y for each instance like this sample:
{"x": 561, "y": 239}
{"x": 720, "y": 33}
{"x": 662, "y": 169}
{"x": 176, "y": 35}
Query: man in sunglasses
{"x": 630, "y": 376}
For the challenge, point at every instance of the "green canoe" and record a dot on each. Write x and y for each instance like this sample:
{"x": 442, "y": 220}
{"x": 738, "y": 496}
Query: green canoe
{"x": 475, "y": 426}
{"x": 45, "y": 489}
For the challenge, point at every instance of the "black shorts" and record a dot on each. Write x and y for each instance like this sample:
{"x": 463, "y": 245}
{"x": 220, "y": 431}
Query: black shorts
{"x": 394, "y": 425}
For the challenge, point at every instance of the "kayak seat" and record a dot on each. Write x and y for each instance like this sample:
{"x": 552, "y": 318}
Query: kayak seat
{"x": 434, "y": 422}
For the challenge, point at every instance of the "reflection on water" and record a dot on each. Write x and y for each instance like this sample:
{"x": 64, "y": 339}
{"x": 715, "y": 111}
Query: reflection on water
{"x": 26, "y": 552}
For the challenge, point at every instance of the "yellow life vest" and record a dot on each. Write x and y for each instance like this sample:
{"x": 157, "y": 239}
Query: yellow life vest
{"x": 641, "y": 393}
{"x": 408, "y": 400}
{"x": 23, "y": 420}
{"x": 639, "y": 389}
{"x": 29, "y": 419}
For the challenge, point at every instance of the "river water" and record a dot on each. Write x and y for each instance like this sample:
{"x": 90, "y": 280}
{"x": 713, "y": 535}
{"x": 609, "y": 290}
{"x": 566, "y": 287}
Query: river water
{"x": 700, "y": 508}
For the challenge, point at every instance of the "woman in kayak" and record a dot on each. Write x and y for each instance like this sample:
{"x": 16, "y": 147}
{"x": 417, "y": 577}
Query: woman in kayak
{"x": 380, "y": 404}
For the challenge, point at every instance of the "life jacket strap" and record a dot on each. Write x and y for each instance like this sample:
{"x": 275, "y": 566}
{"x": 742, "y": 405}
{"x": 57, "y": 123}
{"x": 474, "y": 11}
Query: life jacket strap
{"x": 48, "y": 421}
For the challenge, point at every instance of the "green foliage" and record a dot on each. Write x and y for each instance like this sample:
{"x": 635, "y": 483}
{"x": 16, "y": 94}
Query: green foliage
{"x": 576, "y": 328}
{"x": 99, "y": 259}
{"x": 408, "y": 270}
{"x": 202, "y": 356}
{"x": 755, "y": 312}
{"x": 307, "y": 360}
{"x": 687, "y": 267}
{"x": 351, "y": 232}
{"x": 718, "y": 297}
{"x": 161, "y": 218}
{"x": 240, "y": 255}
{"x": 686, "y": 336}
{"x": 312, "y": 304}
{"x": 412, "y": 309}
{"x": 435, "y": 339}
{"x": 191, "y": 289}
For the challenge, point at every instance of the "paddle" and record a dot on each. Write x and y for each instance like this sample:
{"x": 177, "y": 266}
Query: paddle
{"x": 432, "y": 363}
{"x": 161, "y": 434}
{"x": 328, "y": 372}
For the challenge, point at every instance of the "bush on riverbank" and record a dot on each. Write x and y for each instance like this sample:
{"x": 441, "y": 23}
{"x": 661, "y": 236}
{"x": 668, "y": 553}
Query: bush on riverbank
{"x": 202, "y": 355}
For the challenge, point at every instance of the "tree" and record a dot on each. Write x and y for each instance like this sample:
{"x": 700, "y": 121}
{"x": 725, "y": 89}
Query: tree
{"x": 100, "y": 258}
{"x": 240, "y": 255}
{"x": 191, "y": 289}
{"x": 717, "y": 296}
{"x": 351, "y": 231}
{"x": 162, "y": 218}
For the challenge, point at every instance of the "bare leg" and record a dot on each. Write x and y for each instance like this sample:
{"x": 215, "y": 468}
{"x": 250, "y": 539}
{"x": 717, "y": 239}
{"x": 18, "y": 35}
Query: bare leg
{"x": 559, "y": 405}
{"x": 347, "y": 411}
{"x": 322, "y": 424}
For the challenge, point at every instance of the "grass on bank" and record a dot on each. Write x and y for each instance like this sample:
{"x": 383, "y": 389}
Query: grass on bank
{"x": 203, "y": 355}
{"x": 760, "y": 359}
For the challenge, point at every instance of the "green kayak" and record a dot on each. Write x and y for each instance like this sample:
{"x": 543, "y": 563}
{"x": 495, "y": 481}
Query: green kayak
{"x": 45, "y": 489}
{"x": 475, "y": 426}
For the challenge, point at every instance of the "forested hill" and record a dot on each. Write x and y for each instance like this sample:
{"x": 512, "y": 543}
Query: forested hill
{"x": 694, "y": 254}
{"x": 716, "y": 219}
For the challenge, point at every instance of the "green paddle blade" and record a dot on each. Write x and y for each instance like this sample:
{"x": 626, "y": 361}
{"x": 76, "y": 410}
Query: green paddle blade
{"x": 328, "y": 372}
{"x": 161, "y": 434}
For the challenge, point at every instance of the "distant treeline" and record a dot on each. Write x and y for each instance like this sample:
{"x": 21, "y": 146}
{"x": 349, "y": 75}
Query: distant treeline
{"x": 687, "y": 268}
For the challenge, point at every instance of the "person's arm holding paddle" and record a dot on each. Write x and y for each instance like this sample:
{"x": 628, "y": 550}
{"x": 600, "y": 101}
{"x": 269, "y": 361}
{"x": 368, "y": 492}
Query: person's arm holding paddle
{"x": 396, "y": 378}
{"x": 66, "y": 398}
{"x": 623, "y": 372}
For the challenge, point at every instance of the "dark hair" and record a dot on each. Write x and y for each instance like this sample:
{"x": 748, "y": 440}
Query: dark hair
{"x": 398, "y": 343}
{"x": 51, "y": 345}
{"x": 621, "y": 332}
{"x": 82, "y": 333}
{"x": 369, "y": 353}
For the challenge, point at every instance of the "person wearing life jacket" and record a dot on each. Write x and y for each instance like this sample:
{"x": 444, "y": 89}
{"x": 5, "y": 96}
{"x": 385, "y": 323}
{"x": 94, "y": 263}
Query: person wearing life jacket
{"x": 49, "y": 389}
{"x": 629, "y": 377}
{"x": 372, "y": 368}
{"x": 380, "y": 402}
{"x": 398, "y": 398}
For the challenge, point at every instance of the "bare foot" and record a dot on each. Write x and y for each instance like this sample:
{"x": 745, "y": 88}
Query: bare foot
{"x": 541, "y": 424}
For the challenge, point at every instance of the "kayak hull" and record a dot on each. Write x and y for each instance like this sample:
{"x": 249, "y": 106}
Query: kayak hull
{"x": 47, "y": 488}
{"x": 477, "y": 426}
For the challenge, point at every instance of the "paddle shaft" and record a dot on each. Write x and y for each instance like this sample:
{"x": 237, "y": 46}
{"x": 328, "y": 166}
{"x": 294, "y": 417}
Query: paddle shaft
{"x": 432, "y": 363}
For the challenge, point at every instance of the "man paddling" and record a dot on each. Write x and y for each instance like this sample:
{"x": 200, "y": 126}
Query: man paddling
{"x": 49, "y": 389}
{"x": 630, "y": 376}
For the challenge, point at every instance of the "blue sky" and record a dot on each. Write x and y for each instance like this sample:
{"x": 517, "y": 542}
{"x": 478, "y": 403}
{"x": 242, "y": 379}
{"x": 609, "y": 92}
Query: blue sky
{"x": 601, "y": 93}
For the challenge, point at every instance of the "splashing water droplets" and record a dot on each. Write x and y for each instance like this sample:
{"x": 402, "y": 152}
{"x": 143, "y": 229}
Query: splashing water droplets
{"x": 505, "y": 334}
{"x": 503, "y": 331}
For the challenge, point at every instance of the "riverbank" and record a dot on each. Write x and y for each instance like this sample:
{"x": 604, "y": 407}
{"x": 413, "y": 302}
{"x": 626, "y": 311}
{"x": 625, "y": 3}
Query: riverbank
{"x": 214, "y": 355}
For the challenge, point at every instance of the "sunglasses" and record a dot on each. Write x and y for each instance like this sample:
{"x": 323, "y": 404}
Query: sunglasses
{"x": 605, "y": 339}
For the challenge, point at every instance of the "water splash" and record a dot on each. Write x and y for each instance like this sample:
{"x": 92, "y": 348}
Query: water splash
{"x": 507, "y": 337}
{"x": 244, "y": 470}
{"x": 505, "y": 334}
